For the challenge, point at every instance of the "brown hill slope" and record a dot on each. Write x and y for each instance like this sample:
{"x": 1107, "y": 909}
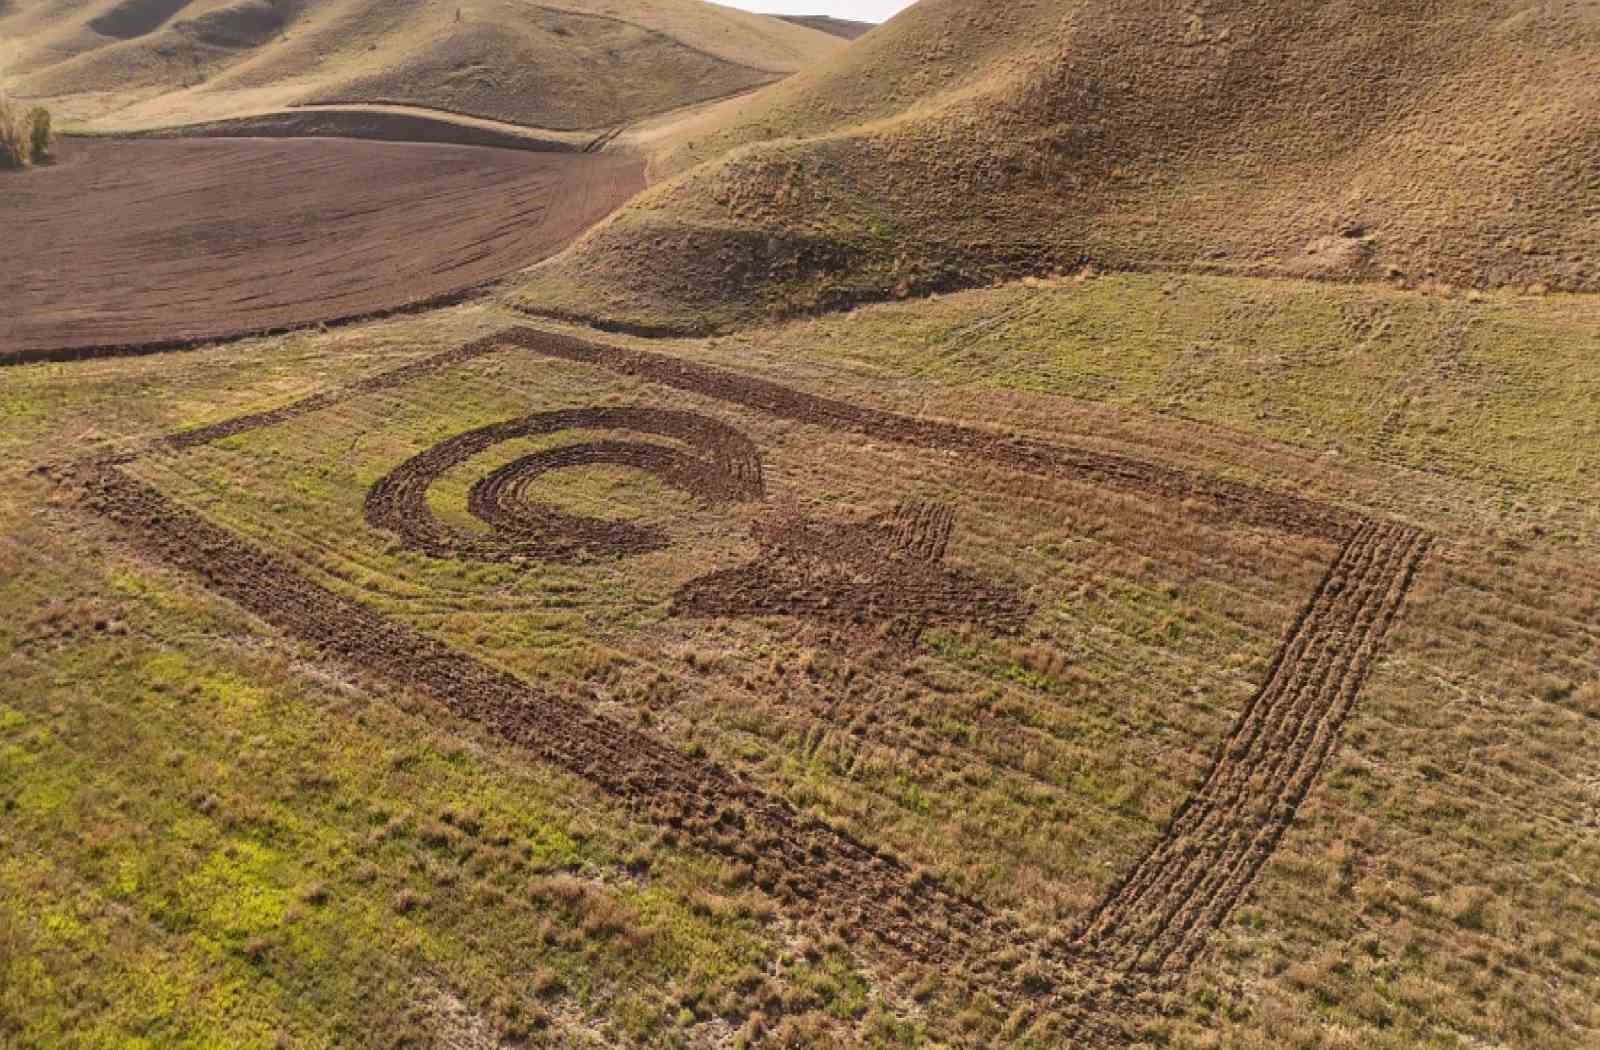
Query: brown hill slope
{"x": 845, "y": 27}
{"x": 1449, "y": 140}
{"x": 564, "y": 65}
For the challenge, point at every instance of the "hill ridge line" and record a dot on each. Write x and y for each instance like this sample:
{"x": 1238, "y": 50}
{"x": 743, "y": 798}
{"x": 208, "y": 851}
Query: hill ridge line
{"x": 661, "y": 35}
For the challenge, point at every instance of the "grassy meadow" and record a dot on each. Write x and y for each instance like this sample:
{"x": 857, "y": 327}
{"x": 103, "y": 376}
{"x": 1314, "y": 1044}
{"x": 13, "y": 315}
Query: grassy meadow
{"x": 213, "y": 837}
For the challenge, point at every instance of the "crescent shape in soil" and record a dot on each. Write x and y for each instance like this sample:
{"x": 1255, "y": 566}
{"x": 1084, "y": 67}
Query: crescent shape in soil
{"x": 717, "y": 464}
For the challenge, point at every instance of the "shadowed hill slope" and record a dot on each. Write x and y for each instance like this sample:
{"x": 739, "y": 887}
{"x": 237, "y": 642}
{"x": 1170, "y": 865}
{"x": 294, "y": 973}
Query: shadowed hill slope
{"x": 969, "y": 140}
{"x": 843, "y": 27}
{"x": 570, "y": 64}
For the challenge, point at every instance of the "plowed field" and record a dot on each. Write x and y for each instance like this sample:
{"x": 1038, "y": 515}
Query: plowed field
{"x": 1118, "y": 661}
{"x": 140, "y": 244}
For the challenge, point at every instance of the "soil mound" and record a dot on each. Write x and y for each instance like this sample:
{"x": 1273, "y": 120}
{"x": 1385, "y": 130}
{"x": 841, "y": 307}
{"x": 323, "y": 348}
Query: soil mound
{"x": 971, "y": 140}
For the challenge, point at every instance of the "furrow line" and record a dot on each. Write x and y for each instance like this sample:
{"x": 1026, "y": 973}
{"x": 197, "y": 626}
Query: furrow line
{"x": 1124, "y": 899}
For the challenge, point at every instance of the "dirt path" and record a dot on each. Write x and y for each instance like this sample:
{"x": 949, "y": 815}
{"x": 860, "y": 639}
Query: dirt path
{"x": 1150, "y": 927}
{"x": 129, "y": 246}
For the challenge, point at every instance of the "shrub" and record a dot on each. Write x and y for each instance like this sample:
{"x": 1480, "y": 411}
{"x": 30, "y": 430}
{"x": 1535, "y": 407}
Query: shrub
{"x": 14, "y": 152}
{"x": 40, "y": 136}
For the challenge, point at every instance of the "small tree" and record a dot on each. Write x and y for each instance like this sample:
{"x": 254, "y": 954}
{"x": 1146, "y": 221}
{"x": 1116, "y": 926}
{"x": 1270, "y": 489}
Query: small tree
{"x": 41, "y": 136}
{"x": 14, "y": 152}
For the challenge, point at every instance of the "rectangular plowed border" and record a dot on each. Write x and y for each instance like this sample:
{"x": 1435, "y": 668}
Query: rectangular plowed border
{"x": 1153, "y": 924}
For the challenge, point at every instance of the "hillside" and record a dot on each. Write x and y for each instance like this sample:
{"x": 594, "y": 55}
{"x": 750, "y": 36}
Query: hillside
{"x": 969, "y": 140}
{"x": 576, "y": 64}
{"x": 842, "y": 27}
{"x": 440, "y": 610}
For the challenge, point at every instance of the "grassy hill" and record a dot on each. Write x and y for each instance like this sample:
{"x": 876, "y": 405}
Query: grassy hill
{"x": 569, "y": 65}
{"x": 1194, "y": 658}
{"x": 964, "y": 141}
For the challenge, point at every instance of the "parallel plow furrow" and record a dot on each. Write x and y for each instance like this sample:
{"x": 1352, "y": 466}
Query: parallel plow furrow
{"x": 1157, "y": 918}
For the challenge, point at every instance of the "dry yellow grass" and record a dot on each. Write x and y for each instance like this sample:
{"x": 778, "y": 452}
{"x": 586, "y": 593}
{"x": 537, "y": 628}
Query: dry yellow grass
{"x": 966, "y": 141}
{"x": 576, "y": 64}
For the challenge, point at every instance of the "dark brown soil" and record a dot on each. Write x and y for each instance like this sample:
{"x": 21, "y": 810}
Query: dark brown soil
{"x": 1151, "y": 926}
{"x": 887, "y": 572}
{"x": 376, "y": 125}
{"x": 135, "y": 243}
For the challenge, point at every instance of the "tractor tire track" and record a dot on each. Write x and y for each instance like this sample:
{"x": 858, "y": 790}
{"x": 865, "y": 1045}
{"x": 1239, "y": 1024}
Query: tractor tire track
{"x": 1156, "y": 920}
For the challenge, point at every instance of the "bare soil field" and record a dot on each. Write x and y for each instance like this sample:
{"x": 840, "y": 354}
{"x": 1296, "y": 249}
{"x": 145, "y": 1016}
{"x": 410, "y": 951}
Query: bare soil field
{"x": 139, "y": 244}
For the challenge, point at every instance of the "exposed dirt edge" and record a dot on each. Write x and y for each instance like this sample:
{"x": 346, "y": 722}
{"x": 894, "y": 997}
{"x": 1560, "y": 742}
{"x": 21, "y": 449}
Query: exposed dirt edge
{"x": 601, "y": 324}
{"x": 62, "y": 355}
{"x": 604, "y": 139}
{"x": 631, "y": 118}
{"x": 861, "y": 274}
{"x": 368, "y": 124}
